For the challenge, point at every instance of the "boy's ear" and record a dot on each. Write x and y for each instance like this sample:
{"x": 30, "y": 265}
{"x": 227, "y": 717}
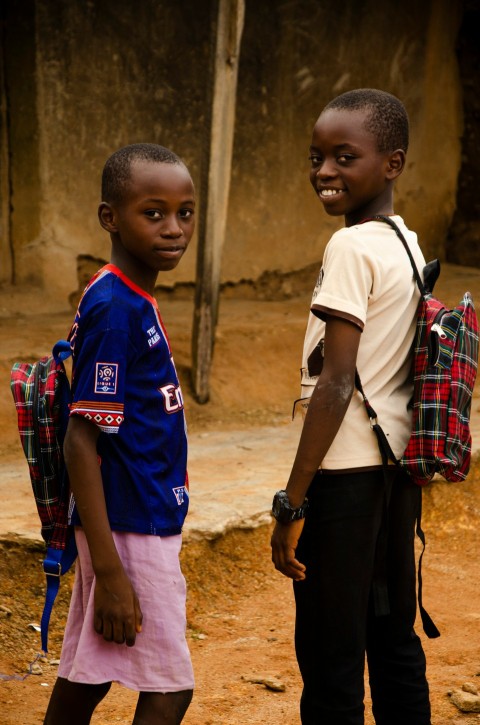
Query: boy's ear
{"x": 395, "y": 164}
{"x": 106, "y": 217}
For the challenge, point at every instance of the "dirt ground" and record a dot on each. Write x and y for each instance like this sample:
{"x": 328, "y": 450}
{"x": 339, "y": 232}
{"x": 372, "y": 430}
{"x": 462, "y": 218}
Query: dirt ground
{"x": 240, "y": 611}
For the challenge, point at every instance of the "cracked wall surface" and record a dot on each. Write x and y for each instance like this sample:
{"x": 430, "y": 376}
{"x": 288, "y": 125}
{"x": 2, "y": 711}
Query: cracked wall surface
{"x": 83, "y": 78}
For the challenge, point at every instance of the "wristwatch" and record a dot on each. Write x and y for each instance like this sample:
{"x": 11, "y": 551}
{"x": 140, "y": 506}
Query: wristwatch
{"x": 283, "y": 512}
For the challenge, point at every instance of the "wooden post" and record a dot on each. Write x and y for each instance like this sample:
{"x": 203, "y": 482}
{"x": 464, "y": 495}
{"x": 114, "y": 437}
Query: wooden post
{"x": 215, "y": 186}
{"x": 6, "y": 251}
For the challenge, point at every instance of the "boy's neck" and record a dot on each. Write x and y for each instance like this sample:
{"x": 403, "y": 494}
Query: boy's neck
{"x": 369, "y": 211}
{"x": 144, "y": 278}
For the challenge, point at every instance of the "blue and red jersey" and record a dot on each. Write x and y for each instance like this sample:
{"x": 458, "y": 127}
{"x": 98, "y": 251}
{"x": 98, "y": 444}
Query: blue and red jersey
{"x": 124, "y": 381}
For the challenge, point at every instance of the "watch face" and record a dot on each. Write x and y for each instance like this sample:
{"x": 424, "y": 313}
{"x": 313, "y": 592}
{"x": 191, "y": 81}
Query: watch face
{"x": 281, "y": 508}
{"x": 277, "y": 505}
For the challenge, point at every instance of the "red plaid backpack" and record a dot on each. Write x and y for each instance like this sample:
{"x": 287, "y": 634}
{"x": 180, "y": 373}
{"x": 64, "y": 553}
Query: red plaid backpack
{"x": 445, "y": 361}
{"x": 41, "y": 392}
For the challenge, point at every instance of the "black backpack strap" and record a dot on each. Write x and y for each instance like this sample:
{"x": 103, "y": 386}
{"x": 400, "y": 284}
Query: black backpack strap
{"x": 380, "y": 585}
{"x": 388, "y": 220}
{"x": 387, "y": 454}
{"x": 380, "y": 582}
{"x": 381, "y": 600}
{"x": 383, "y": 444}
{"x": 429, "y": 626}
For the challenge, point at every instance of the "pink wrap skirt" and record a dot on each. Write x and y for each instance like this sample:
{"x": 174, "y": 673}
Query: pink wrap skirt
{"x": 160, "y": 659}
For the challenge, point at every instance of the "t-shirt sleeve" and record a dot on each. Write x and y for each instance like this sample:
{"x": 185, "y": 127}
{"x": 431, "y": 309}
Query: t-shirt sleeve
{"x": 98, "y": 386}
{"x": 347, "y": 278}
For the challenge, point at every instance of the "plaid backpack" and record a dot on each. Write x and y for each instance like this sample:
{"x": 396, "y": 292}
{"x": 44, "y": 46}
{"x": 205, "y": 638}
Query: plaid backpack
{"x": 41, "y": 392}
{"x": 445, "y": 361}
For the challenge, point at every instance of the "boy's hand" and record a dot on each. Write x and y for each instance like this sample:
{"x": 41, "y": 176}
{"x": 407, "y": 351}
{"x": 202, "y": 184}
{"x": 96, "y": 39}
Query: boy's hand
{"x": 284, "y": 543}
{"x": 118, "y": 616}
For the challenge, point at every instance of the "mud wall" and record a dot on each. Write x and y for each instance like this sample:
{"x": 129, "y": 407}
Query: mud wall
{"x": 97, "y": 75}
{"x": 463, "y": 242}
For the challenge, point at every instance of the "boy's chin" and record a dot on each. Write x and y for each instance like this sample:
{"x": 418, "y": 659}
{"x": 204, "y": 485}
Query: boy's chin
{"x": 333, "y": 212}
{"x": 169, "y": 265}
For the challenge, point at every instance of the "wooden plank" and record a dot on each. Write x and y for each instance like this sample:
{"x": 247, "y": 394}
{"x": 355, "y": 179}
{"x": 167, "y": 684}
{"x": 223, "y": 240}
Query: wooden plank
{"x": 214, "y": 191}
{"x": 6, "y": 262}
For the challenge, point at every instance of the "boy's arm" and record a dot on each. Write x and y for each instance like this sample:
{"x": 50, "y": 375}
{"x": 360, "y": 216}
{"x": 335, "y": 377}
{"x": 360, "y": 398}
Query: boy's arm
{"x": 326, "y": 410}
{"x": 117, "y": 611}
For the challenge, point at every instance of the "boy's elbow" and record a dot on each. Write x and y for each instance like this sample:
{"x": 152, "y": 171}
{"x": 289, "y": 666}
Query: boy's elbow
{"x": 81, "y": 435}
{"x": 69, "y": 448}
{"x": 335, "y": 388}
{"x": 343, "y": 386}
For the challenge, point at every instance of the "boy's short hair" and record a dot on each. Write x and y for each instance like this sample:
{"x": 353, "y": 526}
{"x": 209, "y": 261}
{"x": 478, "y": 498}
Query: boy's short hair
{"x": 117, "y": 170}
{"x": 388, "y": 119}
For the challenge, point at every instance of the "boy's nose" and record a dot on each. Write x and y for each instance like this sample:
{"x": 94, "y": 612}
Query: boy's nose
{"x": 326, "y": 170}
{"x": 172, "y": 228}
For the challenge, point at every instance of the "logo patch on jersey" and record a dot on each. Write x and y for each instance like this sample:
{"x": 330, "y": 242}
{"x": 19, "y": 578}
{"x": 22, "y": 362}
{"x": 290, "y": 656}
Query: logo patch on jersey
{"x": 172, "y": 397}
{"x": 153, "y": 336}
{"x": 106, "y": 378}
{"x": 180, "y": 494}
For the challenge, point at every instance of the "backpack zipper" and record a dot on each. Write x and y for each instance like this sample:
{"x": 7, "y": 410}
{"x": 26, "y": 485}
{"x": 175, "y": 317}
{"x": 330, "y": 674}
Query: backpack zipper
{"x": 439, "y": 330}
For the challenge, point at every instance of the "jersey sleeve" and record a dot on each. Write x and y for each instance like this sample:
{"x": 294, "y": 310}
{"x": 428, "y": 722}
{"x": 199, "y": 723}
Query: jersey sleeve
{"x": 98, "y": 386}
{"x": 347, "y": 278}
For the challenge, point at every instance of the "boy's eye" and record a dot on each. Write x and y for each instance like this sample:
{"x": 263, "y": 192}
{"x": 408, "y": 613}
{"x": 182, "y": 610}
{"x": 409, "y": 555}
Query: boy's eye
{"x": 315, "y": 160}
{"x": 345, "y": 158}
{"x": 153, "y": 214}
{"x": 186, "y": 213}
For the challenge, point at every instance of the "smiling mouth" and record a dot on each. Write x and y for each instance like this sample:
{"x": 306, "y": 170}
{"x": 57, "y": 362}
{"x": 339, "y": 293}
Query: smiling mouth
{"x": 329, "y": 192}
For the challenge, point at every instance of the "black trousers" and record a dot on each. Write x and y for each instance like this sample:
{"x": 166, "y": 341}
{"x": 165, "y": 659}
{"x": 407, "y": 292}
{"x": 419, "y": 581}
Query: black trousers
{"x": 336, "y": 625}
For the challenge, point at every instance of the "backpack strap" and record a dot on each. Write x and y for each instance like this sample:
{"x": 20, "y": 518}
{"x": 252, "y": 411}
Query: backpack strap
{"x": 380, "y": 593}
{"x": 61, "y": 350}
{"x": 429, "y": 626}
{"x": 385, "y": 448}
{"x": 379, "y": 587}
{"x": 380, "y": 584}
{"x": 388, "y": 220}
{"x": 57, "y": 561}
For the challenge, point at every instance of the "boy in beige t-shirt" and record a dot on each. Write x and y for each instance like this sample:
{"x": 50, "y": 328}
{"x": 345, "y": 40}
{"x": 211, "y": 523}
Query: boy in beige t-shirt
{"x": 363, "y": 311}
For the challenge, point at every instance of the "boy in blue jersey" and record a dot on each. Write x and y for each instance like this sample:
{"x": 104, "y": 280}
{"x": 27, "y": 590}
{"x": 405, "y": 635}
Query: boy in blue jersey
{"x": 125, "y": 451}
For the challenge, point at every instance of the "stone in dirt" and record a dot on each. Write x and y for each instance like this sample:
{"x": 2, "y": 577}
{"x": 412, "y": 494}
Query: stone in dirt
{"x": 467, "y": 699}
{"x": 271, "y": 683}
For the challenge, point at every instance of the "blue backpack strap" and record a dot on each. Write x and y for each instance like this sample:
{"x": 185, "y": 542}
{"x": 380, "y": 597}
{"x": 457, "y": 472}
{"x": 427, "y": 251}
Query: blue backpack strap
{"x": 61, "y": 350}
{"x": 56, "y": 563}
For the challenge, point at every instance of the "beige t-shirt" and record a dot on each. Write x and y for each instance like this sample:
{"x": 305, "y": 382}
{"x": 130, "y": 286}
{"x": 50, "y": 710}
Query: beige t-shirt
{"x": 367, "y": 278}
